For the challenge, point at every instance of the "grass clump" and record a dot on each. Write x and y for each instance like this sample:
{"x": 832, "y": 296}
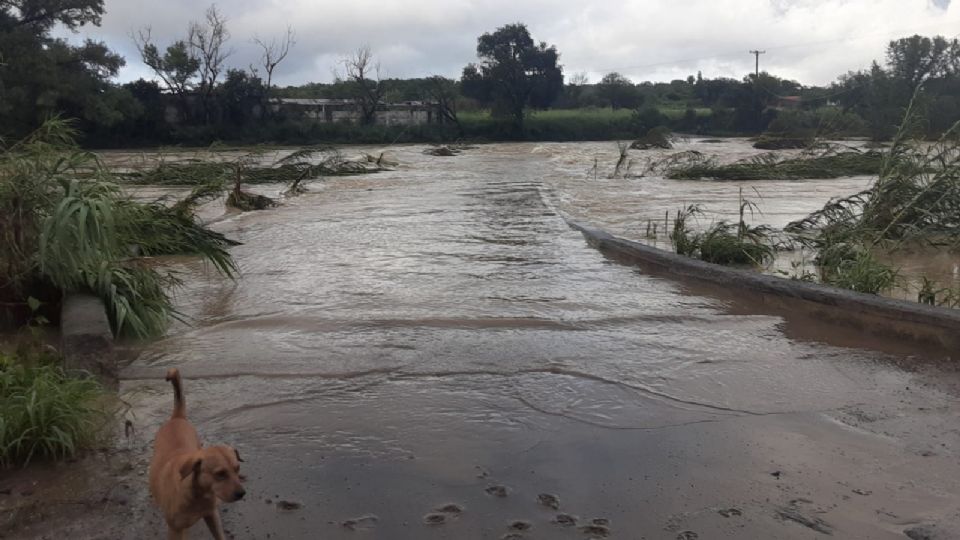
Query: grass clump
{"x": 44, "y": 413}
{"x": 859, "y": 271}
{"x": 685, "y": 241}
{"x": 723, "y": 242}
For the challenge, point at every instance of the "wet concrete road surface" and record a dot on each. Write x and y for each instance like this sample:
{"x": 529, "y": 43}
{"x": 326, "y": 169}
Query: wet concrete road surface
{"x": 432, "y": 353}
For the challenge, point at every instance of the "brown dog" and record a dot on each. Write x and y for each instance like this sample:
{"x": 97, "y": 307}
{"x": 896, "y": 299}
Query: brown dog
{"x": 186, "y": 480}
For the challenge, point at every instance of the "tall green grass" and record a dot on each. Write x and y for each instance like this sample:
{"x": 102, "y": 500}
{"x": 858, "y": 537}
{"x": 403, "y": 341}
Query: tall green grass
{"x": 44, "y": 414}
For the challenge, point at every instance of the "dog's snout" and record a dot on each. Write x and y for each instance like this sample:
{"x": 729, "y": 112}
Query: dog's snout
{"x": 238, "y": 494}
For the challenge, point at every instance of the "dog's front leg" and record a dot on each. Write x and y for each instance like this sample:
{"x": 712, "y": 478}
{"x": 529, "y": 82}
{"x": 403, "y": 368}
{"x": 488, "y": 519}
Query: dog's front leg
{"x": 174, "y": 534}
{"x": 213, "y": 523}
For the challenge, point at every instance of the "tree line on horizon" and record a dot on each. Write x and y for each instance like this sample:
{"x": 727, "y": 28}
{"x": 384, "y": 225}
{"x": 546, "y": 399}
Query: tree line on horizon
{"x": 42, "y": 76}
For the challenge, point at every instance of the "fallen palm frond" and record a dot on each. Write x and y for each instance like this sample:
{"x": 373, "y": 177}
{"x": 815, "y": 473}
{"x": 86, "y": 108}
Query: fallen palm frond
{"x": 308, "y": 162}
{"x": 68, "y": 227}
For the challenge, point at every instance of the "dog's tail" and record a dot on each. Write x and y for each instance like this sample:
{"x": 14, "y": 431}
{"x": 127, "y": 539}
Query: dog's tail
{"x": 179, "y": 407}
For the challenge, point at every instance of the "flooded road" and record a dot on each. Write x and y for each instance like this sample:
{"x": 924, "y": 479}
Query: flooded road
{"x": 437, "y": 335}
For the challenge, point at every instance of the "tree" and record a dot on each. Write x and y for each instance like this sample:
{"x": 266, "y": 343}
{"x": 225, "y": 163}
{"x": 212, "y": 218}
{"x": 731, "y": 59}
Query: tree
{"x": 193, "y": 64}
{"x": 177, "y": 67}
{"x": 444, "y": 93}
{"x": 208, "y": 42}
{"x": 619, "y": 92}
{"x": 917, "y": 58}
{"x": 514, "y": 73}
{"x": 273, "y": 53}
{"x": 41, "y": 76}
{"x": 40, "y": 16}
{"x": 574, "y": 88}
{"x": 239, "y": 94}
{"x": 363, "y": 74}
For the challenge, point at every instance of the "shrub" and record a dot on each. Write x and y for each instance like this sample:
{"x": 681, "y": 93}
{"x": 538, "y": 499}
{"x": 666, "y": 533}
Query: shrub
{"x": 66, "y": 226}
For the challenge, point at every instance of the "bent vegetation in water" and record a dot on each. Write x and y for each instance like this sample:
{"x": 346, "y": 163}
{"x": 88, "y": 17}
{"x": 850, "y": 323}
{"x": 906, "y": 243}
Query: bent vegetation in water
{"x": 914, "y": 201}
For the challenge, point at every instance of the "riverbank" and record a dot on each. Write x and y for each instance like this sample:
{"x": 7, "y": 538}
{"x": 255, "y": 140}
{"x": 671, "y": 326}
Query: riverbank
{"x": 404, "y": 348}
{"x": 591, "y": 124}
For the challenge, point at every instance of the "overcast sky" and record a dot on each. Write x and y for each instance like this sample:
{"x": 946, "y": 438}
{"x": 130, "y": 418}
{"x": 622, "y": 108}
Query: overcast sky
{"x": 812, "y": 41}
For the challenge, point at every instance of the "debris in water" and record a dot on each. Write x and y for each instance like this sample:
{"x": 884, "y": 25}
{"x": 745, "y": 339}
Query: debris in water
{"x": 442, "y": 151}
{"x": 565, "y": 520}
{"x": 730, "y": 512}
{"x": 688, "y": 535}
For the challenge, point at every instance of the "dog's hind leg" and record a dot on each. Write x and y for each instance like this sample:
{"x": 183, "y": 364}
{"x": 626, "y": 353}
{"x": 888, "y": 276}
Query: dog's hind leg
{"x": 213, "y": 523}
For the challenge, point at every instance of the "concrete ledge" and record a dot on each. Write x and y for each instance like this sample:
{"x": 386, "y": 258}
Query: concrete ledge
{"x": 867, "y": 314}
{"x": 86, "y": 340}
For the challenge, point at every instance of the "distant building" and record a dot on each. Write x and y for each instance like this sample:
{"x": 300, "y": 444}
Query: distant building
{"x": 406, "y": 113}
{"x": 789, "y": 102}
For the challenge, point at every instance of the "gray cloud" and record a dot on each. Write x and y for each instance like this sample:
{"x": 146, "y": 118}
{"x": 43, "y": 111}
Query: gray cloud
{"x": 809, "y": 40}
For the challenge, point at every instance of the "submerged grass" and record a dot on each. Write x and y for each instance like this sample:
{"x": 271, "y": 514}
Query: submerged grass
{"x": 722, "y": 242}
{"x": 914, "y": 201}
{"x": 830, "y": 164}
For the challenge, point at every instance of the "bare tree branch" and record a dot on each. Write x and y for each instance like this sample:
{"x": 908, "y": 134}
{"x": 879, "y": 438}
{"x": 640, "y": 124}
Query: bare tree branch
{"x": 364, "y": 73}
{"x": 273, "y": 53}
{"x": 208, "y": 43}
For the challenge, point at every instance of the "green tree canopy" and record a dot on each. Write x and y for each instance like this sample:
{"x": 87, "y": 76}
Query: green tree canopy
{"x": 514, "y": 73}
{"x": 41, "y": 76}
{"x": 619, "y": 92}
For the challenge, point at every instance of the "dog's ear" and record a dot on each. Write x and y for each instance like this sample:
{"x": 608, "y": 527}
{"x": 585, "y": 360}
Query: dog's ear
{"x": 237, "y": 452}
{"x": 191, "y": 465}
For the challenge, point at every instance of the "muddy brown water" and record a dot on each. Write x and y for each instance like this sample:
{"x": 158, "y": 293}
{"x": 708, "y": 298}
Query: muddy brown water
{"x": 437, "y": 335}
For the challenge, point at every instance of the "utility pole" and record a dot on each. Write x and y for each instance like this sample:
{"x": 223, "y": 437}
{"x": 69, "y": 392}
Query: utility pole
{"x": 756, "y": 88}
{"x": 757, "y": 54}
